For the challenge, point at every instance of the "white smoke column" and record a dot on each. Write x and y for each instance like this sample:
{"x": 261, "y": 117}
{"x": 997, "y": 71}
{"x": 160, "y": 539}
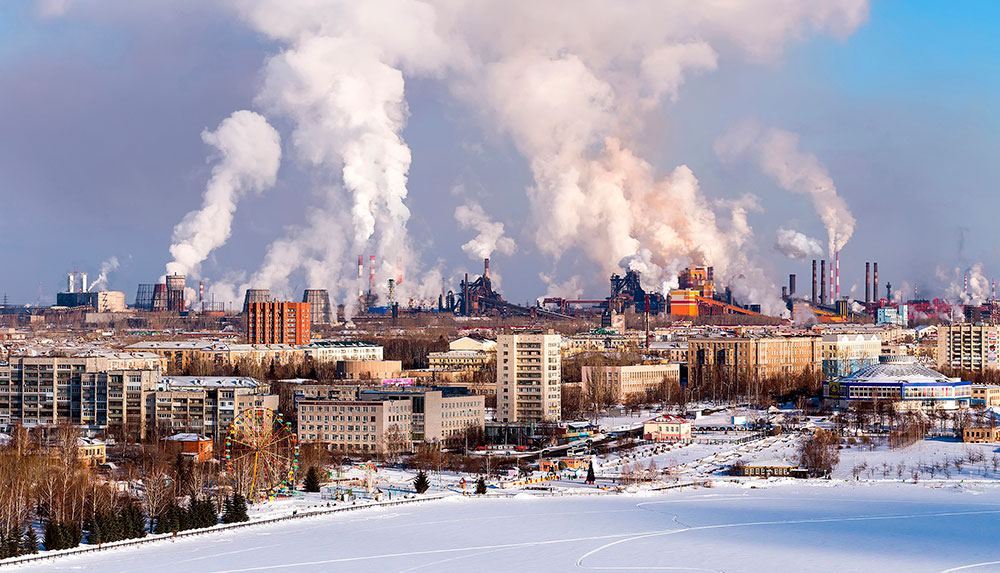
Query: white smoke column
{"x": 797, "y": 246}
{"x": 979, "y": 285}
{"x": 339, "y": 78}
{"x": 249, "y": 155}
{"x": 102, "y": 275}
{"x": 489, "y": 233}
{"x": 776, "y": 152}
{"x": 571, "y": 94}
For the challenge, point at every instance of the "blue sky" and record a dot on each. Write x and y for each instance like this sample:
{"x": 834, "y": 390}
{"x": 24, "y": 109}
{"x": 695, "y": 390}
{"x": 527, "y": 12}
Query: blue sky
{"x": 101, "y": 155}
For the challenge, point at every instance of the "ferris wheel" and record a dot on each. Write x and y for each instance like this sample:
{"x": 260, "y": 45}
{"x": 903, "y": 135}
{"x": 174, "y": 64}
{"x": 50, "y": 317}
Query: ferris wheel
{"x": 262, "y": 453}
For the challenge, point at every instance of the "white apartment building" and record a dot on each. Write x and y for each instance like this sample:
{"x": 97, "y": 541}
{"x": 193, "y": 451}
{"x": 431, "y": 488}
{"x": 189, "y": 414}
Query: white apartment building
{"x": 528, "y": 377}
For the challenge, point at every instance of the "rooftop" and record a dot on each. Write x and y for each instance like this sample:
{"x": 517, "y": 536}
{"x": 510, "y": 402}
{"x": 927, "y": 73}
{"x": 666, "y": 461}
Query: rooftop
{"x": 181, "y": 382}
{"x": 895, "y": 369}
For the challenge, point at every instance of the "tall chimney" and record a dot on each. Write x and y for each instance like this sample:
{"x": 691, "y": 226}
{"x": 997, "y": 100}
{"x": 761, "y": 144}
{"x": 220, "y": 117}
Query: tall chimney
{"x": 371, "y": 275}
{"x": 838, "y": 275}
{"x": 822, "y": 281}
{"x": 201, "y": 291}
{"x": 875, "y": 282}
{"x": 791, "y": 284}
{"x": 784, "y": 293}
{"x": 465, "y": 296}
{"x": 814, "y": 283}
{"x": 486, "y": 268}
{"x": 830, "y": 292}
{"x": 70, "y": 282}
{"x": 966, "y": 287}
{"x": 361, "y": 274}
{"x": 83, "y": 282}
{"x": 868, "y": 283}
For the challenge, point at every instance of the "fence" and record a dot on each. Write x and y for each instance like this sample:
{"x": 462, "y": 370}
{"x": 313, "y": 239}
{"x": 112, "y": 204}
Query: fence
{"x": 164, "y": 537}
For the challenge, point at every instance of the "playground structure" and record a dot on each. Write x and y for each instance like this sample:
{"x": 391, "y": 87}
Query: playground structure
{"x": 261, "y": 454}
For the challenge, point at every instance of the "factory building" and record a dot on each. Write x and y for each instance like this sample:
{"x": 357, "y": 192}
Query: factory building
{"x": 279, "y": 323}
{"x": 319, "y": 305}
{"x": 528, "y": 377}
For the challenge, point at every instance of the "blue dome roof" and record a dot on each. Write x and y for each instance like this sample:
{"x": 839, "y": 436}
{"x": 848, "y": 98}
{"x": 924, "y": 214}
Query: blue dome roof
{"x": 895, "y": 369}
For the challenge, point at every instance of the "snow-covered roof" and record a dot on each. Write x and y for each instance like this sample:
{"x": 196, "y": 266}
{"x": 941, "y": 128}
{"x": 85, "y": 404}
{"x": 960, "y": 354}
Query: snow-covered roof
{"x": 668, "y": 419}
{"x": 895, "y": 369}
{"x": 181, "y": 382}
{"x": 186, "y": 437}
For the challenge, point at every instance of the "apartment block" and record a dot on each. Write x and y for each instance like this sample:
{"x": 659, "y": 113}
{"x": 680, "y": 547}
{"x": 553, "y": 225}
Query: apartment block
{"x": 82, "y": 391}
{"x": 204, "y": 405}
{"x": 967, "y": 346}
{"x": 278, "y": 323}
{"x": 439, "y": 415}
{"x": 528, "y": 377}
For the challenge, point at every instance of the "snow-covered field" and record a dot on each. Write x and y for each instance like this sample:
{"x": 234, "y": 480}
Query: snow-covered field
{"x": 756, "y": 526}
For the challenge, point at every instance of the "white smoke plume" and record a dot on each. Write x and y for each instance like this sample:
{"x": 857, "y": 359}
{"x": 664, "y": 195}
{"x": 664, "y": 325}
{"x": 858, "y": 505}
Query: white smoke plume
{"x": 980, "y": 287}
{"x": 558, "y": 78}
{"x": 339, "y": 78}
{"x": 490, "y": 234}
{"x": 249, "y": 155}
{"x": 796, "y": 245}
{"x": 776, "y": 152}
{"x": 101, "y": 282}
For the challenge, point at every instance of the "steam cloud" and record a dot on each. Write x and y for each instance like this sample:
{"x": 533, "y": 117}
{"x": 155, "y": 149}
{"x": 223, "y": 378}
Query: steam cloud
{"x": 250, "y": 153}
{"x": 490, "y": 234}
{"x": 776, "y": 151}
{"x": 559, "y": 80}
{"x": 101, "y": 282}
{"x": 796, "y": 245}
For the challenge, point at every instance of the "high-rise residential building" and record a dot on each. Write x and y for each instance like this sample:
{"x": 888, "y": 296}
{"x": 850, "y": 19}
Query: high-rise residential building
{"x": 278, "y": 323}
{"x": 968, "y": 346}
{"x": 203, "y": 404}
{"x": 528, "y": 377}
{"x": 82, "y": 391}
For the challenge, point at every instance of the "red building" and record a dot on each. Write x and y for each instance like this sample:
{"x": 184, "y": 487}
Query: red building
{"x": 278, "y": 323}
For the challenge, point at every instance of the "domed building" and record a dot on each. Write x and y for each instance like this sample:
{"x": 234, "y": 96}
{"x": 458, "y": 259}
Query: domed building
{"x": 900, "y": 380}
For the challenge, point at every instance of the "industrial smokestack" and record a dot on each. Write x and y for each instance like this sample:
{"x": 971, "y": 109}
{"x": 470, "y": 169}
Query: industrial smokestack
{"x": 83, "y": 282}
{"x": 830, "y": 292}
{"x": 814, "y": 283}
{"x": 868, "y": 283}
{"x": 965, "y": 288}
{"x": 201, "y": 291}
{"x": 486, "y": 268}
{"x": 70, "y": 282}
{"x": 791, "y": 284}
{"x": 784, "y": 293}
{"x": 822, "y": 281}
{"x": 838, "y": 275}
{"x": 465, "y": 296}
{"x": 371, "y": 275}
{"x": 875, "y": 281}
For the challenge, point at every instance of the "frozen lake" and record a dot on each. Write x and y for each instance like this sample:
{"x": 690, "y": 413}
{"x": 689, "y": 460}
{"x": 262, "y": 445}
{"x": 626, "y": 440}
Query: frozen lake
{"x": 794, "y": 527}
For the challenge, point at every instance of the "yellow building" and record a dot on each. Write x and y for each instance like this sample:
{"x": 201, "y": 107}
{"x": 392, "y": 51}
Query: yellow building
{"x": 986, "y": 394}
{"x": 762, "y": 357}
{"x": 459, "y": 360}
{"x": 981, "y": 435}
{"x": 625, "y": 381}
